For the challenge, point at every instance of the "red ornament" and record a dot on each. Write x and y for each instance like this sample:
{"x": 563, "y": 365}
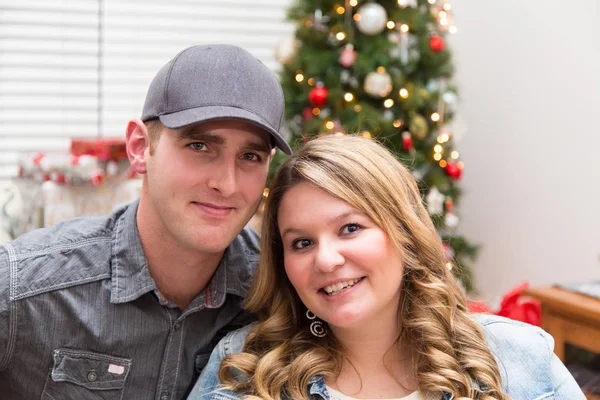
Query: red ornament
{"x": 96, "y": 178}
{"x": 407, "y": 142}
{"x": 307, "y": 114}
{"x": 318, "y": 96}
{"x": 449, "y": 205}
{"x": 436, "y": 43}
{"x": 59, "y": 178}
{"x": 37, "y": 158}
{"x": 454, "y": 170}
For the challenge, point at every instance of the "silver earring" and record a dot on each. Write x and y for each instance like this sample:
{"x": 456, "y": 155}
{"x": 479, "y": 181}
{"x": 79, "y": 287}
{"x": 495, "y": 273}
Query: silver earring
{"x": 316, "y": 327}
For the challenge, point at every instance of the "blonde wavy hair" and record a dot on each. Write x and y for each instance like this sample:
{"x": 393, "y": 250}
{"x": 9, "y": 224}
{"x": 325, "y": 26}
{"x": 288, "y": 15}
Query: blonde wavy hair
{"x": 281, "y": 356}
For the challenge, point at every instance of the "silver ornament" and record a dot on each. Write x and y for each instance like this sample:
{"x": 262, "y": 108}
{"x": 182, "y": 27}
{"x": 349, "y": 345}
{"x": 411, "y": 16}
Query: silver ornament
{"x": 372, "y": 19}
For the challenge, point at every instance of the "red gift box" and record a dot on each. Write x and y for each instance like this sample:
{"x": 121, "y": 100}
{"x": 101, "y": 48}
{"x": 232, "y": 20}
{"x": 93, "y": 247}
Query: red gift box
{"x": 514, "y": 306}
{"x": 104, "y": 149}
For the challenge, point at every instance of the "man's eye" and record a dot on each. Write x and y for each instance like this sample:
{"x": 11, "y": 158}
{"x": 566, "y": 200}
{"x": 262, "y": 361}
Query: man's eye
{"x": 251, "y": 157}
{"x": 350, "y": 228}
{"x": 197, "y": 146}
{"x": 299, "y": 244}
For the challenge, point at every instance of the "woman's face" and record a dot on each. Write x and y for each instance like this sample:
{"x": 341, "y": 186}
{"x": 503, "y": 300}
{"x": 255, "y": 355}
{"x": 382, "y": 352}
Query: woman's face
{"x": 343, "y": 266}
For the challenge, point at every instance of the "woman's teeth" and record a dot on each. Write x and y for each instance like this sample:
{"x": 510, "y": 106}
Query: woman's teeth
{"x": 338, "y": 287}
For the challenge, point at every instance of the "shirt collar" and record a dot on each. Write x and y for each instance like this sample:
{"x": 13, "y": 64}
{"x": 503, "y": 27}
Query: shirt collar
{"x": 130, "y": 276}
{"x": 234, "y": 273}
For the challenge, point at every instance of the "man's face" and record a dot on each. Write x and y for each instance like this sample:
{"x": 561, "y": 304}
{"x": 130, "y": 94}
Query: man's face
{"x": 205, "y": 182}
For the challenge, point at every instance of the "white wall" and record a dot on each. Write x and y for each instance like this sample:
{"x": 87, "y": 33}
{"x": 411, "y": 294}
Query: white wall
{"x": 529, "y": 78}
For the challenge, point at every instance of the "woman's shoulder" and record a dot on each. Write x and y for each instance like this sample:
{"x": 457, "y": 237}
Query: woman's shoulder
{"x": 208, "y": 385}
{"x": 525, "y": 357}
{"x": 234, "y": 341}
{"x": 509, "y": 337}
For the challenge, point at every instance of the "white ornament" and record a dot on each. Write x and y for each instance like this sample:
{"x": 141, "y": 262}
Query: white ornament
{"x": 112, "y": 168}
{"x": 345, "y": 76}
{"x": 378, "y": 84}
{"x": 450, "y": 98}
{"x": 408, "y": 3}
{"x": 396, "y": 52}
{"x": 435, "y": 201}
{"x": 285, "y": 50}
{"x": 433, "y": 85}
{"x": 388, "y": 115}
{"x": 451, "y": 220}
{"x": 372, "y": 19}
{"x": 394, "y": 37}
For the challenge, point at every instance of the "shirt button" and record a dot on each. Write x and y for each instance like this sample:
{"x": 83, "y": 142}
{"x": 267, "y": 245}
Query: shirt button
{"x": 92, "y": 376}
{"x": 164, "y": 396}
{"x": 176, "y": 327}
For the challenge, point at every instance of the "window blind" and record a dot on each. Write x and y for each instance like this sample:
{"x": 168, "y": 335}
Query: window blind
{"x": 82, "y": 67}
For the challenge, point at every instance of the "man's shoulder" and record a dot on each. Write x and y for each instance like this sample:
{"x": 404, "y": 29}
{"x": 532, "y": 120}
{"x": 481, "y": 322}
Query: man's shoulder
{"x": 66, "y": 254}
{"x": 242, "y": 256}
{"x": 248, "y": 240}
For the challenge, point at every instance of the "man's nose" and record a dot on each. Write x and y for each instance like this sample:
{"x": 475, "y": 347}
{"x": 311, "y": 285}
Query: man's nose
{"x": 224, "y": 177}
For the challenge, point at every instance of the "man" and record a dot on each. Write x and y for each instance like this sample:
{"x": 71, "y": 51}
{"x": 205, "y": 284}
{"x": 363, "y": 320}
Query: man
{"x": 129, "y": 306}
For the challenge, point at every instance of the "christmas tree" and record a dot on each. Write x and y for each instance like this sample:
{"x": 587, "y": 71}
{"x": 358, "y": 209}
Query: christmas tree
{"x": 381, "y": 68}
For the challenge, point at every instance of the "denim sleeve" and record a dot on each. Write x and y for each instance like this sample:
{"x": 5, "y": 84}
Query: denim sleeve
{"x": 208, "y": 386}
{"x": 6, "y": 326}
{"x": 565, "y": 387}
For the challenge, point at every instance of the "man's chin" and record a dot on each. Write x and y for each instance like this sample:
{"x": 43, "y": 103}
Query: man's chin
{"x": 213, "y": 244}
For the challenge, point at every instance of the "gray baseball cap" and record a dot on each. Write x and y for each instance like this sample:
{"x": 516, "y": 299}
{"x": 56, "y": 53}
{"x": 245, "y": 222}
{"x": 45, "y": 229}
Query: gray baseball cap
{"x": 214, "y": 82}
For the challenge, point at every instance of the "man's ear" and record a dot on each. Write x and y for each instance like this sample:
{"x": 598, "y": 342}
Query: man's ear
{"x": 137, "y": 142}
{"x": 273, "y": 151}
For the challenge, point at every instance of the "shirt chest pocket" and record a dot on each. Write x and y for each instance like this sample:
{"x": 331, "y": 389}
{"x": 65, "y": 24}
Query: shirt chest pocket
{"x": 79, "y": 375}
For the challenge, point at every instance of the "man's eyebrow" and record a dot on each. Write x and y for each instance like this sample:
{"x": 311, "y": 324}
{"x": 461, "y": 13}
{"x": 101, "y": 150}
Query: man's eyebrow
{"x": 194, "y": 134}
{"x": 263, "y": 146}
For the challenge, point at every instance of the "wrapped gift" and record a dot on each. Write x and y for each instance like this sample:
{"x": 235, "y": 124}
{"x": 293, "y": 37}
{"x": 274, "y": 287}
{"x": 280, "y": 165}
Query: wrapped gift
{"x": 45, "y": 204}
{"x": 513, "y": 305}
{"x": 64, "y": 168}
{"x": 62, "y": 202}
{"x": 103, "y": 149}
{"x": 518, "y": 307}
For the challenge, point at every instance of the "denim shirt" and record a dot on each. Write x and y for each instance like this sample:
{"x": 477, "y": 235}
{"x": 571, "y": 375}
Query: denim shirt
{"x": 81, "y": 318}
{"x": 529, "y": 368}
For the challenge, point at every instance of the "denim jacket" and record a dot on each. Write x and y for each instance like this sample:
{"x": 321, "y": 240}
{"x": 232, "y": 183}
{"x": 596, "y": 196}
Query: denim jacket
{"x": 529, "y": 368}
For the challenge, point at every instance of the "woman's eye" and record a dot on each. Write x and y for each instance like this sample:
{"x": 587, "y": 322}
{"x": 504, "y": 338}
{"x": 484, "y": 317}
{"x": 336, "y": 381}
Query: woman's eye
{"x": 350, "y": 228}
{"x": 300, "y": 243}
{"x": 197, "y": 146}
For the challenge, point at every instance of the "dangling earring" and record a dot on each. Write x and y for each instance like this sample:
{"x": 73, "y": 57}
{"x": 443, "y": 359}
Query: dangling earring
{"x": 316, "y": 327}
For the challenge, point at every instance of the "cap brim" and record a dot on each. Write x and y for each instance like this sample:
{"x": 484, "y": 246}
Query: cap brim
{"x": 198, "y": 115}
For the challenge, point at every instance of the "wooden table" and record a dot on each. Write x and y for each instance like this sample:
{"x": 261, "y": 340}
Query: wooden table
{"x": 570, "y": 318}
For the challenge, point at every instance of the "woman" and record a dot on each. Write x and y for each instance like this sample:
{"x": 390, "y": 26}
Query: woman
{"x": 354, "y": 299}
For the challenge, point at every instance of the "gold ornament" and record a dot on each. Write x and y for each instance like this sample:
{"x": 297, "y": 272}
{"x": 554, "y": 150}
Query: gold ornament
{"x": 418, "y": 126}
